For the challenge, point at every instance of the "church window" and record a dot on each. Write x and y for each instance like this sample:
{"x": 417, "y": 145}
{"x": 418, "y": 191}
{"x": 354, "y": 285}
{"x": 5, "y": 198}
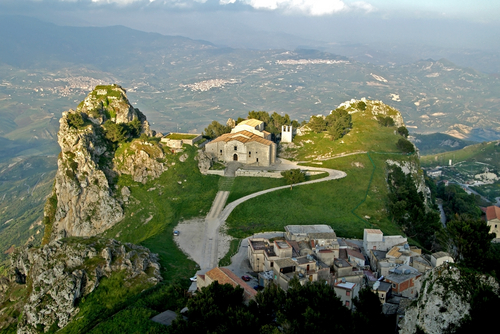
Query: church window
{"x": 249, "y": 154}
{"x": 221, "y": 152}
{"x": 236, "y": 148}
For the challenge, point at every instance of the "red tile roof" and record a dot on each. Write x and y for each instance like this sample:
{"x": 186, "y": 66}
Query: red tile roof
{"x": 226, "y": 276}
{"x": 354, "y": 253}
{"x": 492, "y": 212}
{"x": 243, "y": 137}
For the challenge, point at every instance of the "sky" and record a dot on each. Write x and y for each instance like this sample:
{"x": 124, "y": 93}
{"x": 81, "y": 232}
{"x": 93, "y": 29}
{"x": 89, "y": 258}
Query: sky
{"x": 265, "y": 23}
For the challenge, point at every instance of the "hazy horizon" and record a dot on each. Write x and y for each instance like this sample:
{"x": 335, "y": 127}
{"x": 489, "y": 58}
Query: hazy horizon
{"x": 264, "y": 24}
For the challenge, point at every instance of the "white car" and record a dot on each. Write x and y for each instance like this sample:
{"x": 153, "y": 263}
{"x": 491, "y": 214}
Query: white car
{"x": 193, "y": 279}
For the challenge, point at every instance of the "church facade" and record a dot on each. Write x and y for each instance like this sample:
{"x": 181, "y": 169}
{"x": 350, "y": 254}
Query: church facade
{"x": 247, "y": 143}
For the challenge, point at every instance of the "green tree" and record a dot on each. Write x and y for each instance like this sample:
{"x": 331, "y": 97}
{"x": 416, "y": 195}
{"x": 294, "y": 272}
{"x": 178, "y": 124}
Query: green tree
{"x": 338, "y": 123}
{"x": 115, "y": 133}
{"x": 313, "y": 308}
{"x": 215, "y": 129}
{"x": 457, "y": 201}
{"x": 407, "y": 208}
{"x": 405, "y": 146}
{"x": 386, "y": 121}
{"x": 403, "y": 131}
{"x": 75, "y": 120}
{"x": 135, "y": 127}
{"x": 471, "y": 239}
{"x": 368, "y": 314}
{"x": 217, "y": 309}
{"x": 293, "y": 176}
{"x": 317, "y": 124}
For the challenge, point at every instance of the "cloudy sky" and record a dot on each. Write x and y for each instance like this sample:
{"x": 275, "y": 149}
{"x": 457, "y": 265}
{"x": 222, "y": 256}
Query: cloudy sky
{"x": 254, "y": 23}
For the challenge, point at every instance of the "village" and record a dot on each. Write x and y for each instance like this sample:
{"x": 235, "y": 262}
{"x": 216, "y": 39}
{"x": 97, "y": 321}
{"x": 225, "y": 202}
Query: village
{"x": 388, "y": 265}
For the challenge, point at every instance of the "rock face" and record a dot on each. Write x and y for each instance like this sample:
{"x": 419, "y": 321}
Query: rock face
{"x": 204, "y": 161}
{"x": 374, "y": 108}
{"x": 409, "y": 167}
{"x": 444, "y": 300}
{"x": 86, "y": 200}
{"x": 142, "y": 160}
{"x": 61, "y": 273}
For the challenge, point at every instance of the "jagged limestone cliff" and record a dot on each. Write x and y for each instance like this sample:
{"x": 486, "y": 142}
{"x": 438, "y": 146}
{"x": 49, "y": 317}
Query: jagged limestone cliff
{"x": 59, "y": 274}
{"x": 445, "y": 300}
{"x": 86, "y": 199}
{"x": 102, "y": 139}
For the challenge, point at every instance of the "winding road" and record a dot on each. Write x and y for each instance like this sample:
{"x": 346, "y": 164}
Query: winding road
{"x": 204, "y": 249}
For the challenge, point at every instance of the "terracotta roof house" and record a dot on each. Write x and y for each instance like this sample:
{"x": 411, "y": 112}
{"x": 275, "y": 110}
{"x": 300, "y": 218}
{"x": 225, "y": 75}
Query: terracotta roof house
{"x": 225, "y": 276}
{"x": 493, "y": 220}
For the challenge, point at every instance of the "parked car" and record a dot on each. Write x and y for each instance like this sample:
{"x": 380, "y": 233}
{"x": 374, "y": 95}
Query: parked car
{"x": 176, "y": 233}
{"x": 246, "y": 278}
{"x": 258, "y": 287}
{"x": 193, "y": 279}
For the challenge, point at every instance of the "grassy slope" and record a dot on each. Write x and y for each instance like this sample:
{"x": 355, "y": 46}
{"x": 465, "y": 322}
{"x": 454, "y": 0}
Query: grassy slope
{"x": 343, "y": 203}
{"x": 165, "y": 202}
{"x": 154, "y": 209}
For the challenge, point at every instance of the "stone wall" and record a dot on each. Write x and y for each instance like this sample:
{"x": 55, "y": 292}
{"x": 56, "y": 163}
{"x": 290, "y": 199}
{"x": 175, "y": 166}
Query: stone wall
{"x": 259, "y": 173}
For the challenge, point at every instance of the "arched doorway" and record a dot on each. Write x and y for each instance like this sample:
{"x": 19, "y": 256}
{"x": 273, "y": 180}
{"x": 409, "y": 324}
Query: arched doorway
{"x": 235, "y": 157}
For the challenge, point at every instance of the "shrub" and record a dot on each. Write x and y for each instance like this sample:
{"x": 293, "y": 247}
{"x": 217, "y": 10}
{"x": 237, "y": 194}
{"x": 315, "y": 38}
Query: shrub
{"x": 403, "y": 131}
{"x": 405, "y": 146}
{"x": 75, "y": 120}
{"x": 385, "y": 121}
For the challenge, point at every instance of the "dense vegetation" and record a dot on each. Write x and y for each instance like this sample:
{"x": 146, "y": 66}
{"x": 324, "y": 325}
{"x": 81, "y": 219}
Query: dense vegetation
{"x": 273, "y": 122}
{"x": 309, "y": 308}
{"x": 408, "y": 209}
{"x": 337, "y": 124}
{"x": 215, "y": 129}
{"x": 457, "y": 202}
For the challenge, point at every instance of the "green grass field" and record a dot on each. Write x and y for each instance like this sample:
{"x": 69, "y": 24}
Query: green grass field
{"x": 349, "y": 205}
{"x": 156, "y": 207}
{"x": 342, "y": 203}
{"x": 366, "y": 135}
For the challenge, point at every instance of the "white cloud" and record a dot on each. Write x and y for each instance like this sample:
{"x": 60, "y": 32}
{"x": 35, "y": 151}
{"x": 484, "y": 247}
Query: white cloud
{"x": 308, "y": 7}
{"x": 363, "y": 6}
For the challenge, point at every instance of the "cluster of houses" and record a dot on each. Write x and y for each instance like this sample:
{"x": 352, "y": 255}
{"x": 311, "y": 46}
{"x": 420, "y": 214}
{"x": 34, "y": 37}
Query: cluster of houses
{"x": 386, "y": 264}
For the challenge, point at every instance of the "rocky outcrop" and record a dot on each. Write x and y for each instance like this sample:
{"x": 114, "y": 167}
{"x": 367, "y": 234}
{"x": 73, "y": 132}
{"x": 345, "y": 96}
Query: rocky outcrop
{"x": 444, "y": 300}
{"x": 204, "y": 161}
{"x": 142, "y": 160}
{"x": 62, "y": 272}
{"x": 85, "y": 202}
{"x": 84, "y": 187}
{"x": 374, "y": 108}
{"x": 413, "y": 168}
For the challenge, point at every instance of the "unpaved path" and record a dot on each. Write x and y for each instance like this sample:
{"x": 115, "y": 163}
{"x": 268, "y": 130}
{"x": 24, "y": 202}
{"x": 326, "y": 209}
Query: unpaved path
{"x": 202, "y": 239}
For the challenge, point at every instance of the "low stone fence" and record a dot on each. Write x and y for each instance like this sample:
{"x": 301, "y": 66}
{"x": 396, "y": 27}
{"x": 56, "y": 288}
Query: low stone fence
{"x": 215, "y": 172}
{"x": 259, "y": 173}
{"x": 177, "y": 143}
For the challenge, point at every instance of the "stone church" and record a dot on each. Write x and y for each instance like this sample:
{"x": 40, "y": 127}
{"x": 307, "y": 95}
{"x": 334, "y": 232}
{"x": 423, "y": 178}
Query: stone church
{"x": 247, "y": 143}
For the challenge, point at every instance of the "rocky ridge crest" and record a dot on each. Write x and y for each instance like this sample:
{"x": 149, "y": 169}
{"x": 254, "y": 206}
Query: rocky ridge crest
{"x": 88, "y": 202}
{"x": 60, "y": 273}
